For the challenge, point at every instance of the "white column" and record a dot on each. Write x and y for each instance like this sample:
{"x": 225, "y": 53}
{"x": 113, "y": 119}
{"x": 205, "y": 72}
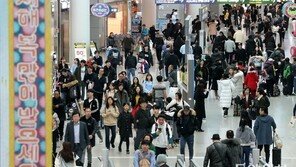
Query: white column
{"x": 4, "y": 84}
{"x": 148, "y": 12}
{"x": 79, "y": 24}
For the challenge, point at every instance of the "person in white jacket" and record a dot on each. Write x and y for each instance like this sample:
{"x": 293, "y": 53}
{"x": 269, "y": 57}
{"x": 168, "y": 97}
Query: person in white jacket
{"x": 162, "y": 135}
{"x": 237, "y": 80}
{"x": 225, "y": 87}
{"x": 239, "y": 36}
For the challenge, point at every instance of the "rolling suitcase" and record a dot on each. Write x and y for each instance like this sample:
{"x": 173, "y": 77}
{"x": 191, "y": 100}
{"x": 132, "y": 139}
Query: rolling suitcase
{"x": 276, "y": 154}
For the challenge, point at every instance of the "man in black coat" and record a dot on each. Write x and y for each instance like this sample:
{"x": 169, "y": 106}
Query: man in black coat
{"x": 217, "y": 153}
{"x": 127, "y": 44}
{"x": 109, "y": 72}
{"x": 234, "y": 148}
{"x": 143, "y": 122}
{"x": 77, "y": 135}
{"x": 100, "y": 83}
{"x": 186, "y": 124}
{"x": 91, "y": 124}
{"x": 58, "y": 105}
{"x": 130, "y": 65}
{"x": 173, "y": 60}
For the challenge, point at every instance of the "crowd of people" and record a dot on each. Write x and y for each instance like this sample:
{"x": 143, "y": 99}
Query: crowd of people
{"x": 242, "y": 72}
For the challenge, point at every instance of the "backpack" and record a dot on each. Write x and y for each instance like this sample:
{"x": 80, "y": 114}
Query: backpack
{"x": 144, "y": 162}
{"x": 276, "y": 90}
{"x": 287, "y": 72}
{"x": 145, "y": 67}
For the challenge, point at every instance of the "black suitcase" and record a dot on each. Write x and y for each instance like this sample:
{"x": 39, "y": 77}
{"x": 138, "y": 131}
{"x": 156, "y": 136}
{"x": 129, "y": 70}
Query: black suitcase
{"x": 276, "y": 156}
{"x": 285, "y": 90}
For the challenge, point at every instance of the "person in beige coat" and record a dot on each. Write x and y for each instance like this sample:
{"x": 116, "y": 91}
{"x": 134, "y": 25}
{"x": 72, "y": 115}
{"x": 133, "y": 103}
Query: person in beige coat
{"x": 212, "y": 30}
{"x": 110, "y": 115}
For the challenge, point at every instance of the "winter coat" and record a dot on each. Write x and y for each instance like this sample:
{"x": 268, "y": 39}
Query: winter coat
{"x": 212, "y": 28}
{"x": 216, "y": 159}
{"x": 235, "y": 150}
{"x": 262, "y": 129}
{"x": 199, "y": 106}
{"x": 163, "y": 139}
{"x": 130, "y": 62}
{"x": 91, "y": 124}
{"x": 110, "y": 116}
{"x": 225, "y": 88}
{"x": 251, "y": 80}
{"x": 186, "y": 123}
{"x": 124, "y": 124}
{"x": 239, "y": 36}
{"x": 143, "y": 120}
{"x": 121, "y": 98}
{"x": 237, "y": 80}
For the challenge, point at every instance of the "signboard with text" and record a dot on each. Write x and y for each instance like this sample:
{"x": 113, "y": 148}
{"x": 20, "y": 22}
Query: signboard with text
{"x": 80, "y": 51}
{"x": 101, "y": 9}
{"x": 30, "y": 93}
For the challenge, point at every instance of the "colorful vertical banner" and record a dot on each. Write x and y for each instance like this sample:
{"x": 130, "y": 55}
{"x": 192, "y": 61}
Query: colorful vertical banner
{"x": 31, "y": 71}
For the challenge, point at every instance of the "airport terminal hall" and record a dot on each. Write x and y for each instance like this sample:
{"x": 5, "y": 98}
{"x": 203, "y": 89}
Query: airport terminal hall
{"x": 148, "y": 83}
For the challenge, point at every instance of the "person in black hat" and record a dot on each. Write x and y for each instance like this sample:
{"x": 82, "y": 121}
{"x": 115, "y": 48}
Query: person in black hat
{"x": 217, "y": 153}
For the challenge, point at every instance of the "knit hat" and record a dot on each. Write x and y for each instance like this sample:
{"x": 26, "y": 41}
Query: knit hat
{"x": 161, "y": 158}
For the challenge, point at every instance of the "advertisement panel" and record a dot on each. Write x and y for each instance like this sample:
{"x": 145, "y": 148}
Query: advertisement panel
{"x": 30, "y": 83}
{"x": 80, "y": 51}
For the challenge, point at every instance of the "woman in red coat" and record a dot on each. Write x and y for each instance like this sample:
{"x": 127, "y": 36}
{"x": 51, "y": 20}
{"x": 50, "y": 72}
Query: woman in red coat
{"x": 251, "y": 81}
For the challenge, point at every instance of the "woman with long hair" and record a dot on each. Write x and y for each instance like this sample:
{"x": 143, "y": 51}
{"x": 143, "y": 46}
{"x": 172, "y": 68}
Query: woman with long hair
{"x": 199, "y": 107}
{"x": 65, "y": 157}
{"x": 247, "y": 137}
{"x": 135, "y": 84}
{"x": 110, "y": 115}
{"x": 148, "y": 87}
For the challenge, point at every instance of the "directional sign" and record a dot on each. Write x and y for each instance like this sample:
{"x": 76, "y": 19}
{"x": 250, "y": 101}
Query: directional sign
{"x": 229, "y": 1}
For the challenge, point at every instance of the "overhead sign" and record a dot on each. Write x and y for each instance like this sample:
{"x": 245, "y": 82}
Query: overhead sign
{"x": 229, "y": 1}
{"x": 80, "y": 51}
{"x": 258, "y": 1}
{"x": 101, "y": 9}
{"x": 183, "y": 1}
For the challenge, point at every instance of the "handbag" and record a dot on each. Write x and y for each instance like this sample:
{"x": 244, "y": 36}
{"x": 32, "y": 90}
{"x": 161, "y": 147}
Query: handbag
{"x": 277, "y": 141}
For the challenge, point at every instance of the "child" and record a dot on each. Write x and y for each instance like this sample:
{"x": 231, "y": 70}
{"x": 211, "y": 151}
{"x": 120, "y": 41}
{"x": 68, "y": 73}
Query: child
{"x": 124, "y": 124}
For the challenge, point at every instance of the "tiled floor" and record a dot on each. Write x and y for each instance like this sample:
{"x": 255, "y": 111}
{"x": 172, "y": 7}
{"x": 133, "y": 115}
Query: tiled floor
{"x": 281, "y": 109}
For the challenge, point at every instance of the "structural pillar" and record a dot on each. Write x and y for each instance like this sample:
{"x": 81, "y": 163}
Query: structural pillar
{"x": 148, "y": 12}
{"x": 79, "y": 25}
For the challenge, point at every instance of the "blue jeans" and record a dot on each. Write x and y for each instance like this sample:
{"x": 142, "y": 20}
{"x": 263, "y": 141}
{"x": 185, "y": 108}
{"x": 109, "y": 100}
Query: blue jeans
{"x": 246, "y": 155}
{"x": 189, "y": 140}
{"x": 113, "y": 132}
{"x": 130, "y": 72}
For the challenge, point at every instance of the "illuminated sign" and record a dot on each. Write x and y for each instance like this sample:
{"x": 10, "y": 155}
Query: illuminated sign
{"x": 101, "y": 9}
